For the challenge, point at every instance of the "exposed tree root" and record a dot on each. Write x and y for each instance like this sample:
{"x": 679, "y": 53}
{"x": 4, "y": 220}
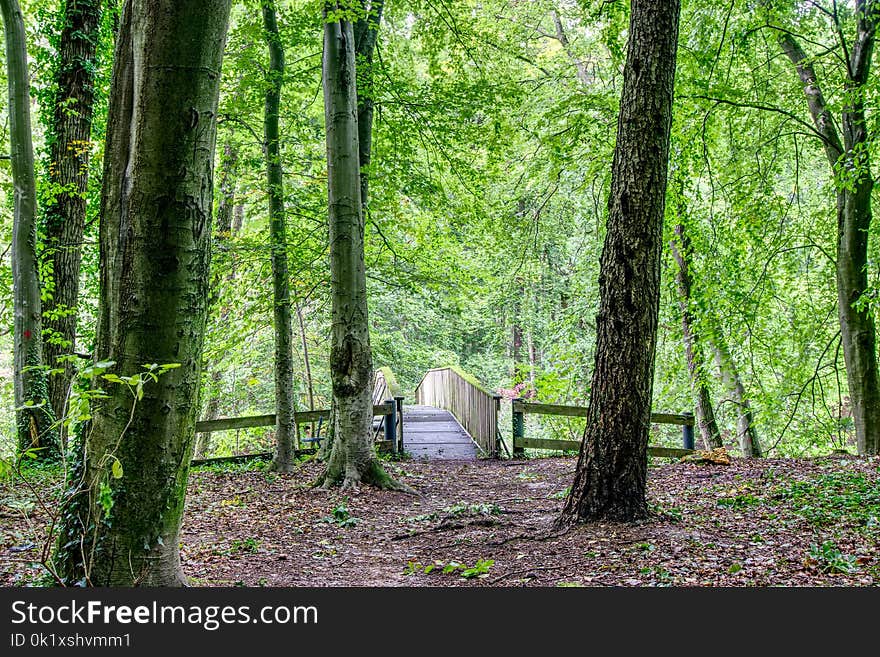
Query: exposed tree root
{"x": 350, "y": 477}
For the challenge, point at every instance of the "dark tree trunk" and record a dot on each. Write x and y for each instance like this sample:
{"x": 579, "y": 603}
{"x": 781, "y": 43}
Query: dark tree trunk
{"x": 850, "y": 158}
{"x": 693, "y": 347}
{"x": 610, "y": 480}
{"x": 284, "y": 403}
{"x": 69, "y": 174}
{"x": 352, "y": 459}
{"x": 35, "y": 421}
{"x": 122, "y": 528}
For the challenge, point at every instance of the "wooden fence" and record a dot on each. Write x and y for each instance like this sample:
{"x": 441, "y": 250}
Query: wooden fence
{"x": 520, "y": 442}
{"x": 387, "y": 405}
{"x": 474, "y": 407}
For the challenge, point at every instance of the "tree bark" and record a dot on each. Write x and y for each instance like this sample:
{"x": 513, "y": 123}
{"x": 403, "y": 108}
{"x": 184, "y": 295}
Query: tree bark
{"x": 284, "y": 403}
{"x": 69, "y": 174}
{"x": 223, "y": 231}
{"x": 850, "y": 164}
{"x": 35, "y": 421}
{"x": 693, "y": 348}
{"x": 352, "y": 459}
{"x": 366, "y": 31}
{"x": 746, "y": 433}
{"x": 122, "y": 527}
{"x": 610, "y": 479}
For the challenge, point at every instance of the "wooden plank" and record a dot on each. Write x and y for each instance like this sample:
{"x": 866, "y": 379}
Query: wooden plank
{"x": 669, "y": 452}
{"x": 672, "y": 418}
{"x": 246, "y": 422}
{"x": 533, "y": 443}
{"x": 248, "y": 457}
{"x": 226, "y": 423}
{"x": 575, "y": 445}
{"x": 581, "y": 411}
{"x": 549, "y": 409}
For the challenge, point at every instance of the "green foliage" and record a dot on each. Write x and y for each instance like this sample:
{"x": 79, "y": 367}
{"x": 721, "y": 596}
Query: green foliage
{"x": 828, "y": 558}
{"x": 835, "y": 498}
{"x": 341, "y": 516}
{"x": 480, "y": 569}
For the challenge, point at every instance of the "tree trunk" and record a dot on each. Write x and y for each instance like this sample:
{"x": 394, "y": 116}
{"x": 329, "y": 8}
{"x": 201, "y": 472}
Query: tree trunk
{"x": 284, "y": 404}
{"x": 122, "y": 528}
{"x": 69, "y": 174}
{"x": 610, "y": 480}
{"x": 35, "y": 421}
{"x": 693, "y": 348}
{"x": 850, "y": 164}
{"x": 222, "y": 232}
{"x": 746, "y": 432}
{"x": 366, "y": 31}
{"x": 310, "y": 386}
{"x": 352, "y": 459}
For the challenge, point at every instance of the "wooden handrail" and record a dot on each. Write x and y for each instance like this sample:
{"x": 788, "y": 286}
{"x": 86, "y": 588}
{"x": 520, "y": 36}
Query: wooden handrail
{"x": 225, "y": 423}
{"x": 683, "y": 419}
{"x": 475, "y": 408}
{"x": 385, "y": 386}
{"x": 519, "y": 408}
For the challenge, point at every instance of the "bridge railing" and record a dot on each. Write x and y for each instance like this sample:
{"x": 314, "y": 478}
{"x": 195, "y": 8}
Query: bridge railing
{"x": 475, "y": 407}
{"x": 386, "y": 390}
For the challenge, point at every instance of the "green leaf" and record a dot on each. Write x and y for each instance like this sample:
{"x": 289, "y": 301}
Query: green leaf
{"x": 116, "y": 469}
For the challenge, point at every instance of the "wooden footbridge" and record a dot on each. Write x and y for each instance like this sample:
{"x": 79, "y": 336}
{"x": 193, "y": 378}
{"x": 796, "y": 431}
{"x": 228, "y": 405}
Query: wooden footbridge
{"x": 454, "y": 417}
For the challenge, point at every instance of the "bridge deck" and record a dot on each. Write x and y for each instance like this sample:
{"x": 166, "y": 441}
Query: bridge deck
{"x": 432, "y": 434}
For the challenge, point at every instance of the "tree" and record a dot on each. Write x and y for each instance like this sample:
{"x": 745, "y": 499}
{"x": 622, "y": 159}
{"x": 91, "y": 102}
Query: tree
{"x": 285, "y": 427}
{"x": 69, "y": 175}
{"x": 352, "y": 458}
{"x": 610, "y": 480}
{"x": 34, "y": 418}
{"x": 122, "y": 527}
{"x": 850, "y": 164}
{"x": 693, "y": 347}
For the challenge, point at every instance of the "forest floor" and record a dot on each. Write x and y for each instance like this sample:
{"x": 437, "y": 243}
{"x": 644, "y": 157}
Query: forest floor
{"x": 810, "y": 522}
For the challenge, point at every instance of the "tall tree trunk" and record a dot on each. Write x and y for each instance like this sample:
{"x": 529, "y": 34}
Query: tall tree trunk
{"x": 35, "y": 421}
{"x": 709, "y": 433}
{"x": 352, "y": 459}
{"x": 69, "y": 174}
{"x": 747, "y": 433}
{"x": 610, "y": 480}
{"x": 223, "y": 231}
{"x": 850, "y": 159}
{"x": 123, "y": 526}
{"x": 366, "y": 31}
{"x": 284, "y": 404}
{"x": 310, "y": 386}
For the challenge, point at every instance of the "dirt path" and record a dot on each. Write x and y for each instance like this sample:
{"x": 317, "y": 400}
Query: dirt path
{"x": 490, "y": 523}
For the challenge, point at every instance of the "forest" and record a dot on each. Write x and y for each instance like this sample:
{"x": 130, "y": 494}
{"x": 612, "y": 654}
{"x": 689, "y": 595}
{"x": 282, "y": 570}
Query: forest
{"x": 439, "y": 293}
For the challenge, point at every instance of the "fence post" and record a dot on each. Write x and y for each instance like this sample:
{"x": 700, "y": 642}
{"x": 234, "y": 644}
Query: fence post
{"x": 519, "y": 427}
{"x": 398, "y": 404}
{"x": 687, "y": 432}
{"x": 391, "y": 425}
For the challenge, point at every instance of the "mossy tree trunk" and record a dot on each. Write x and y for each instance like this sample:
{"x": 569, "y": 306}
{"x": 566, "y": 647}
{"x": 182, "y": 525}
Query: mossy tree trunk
{"x": 285, "y": 428}
{"x": 352, "y": 458}
{"x": 611, "y": 474}
{"x": 69, "y": 174}
{"x": 122, "y": 528}
{"x": 34, "y": 420}
{"x": 849, "y": 160}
